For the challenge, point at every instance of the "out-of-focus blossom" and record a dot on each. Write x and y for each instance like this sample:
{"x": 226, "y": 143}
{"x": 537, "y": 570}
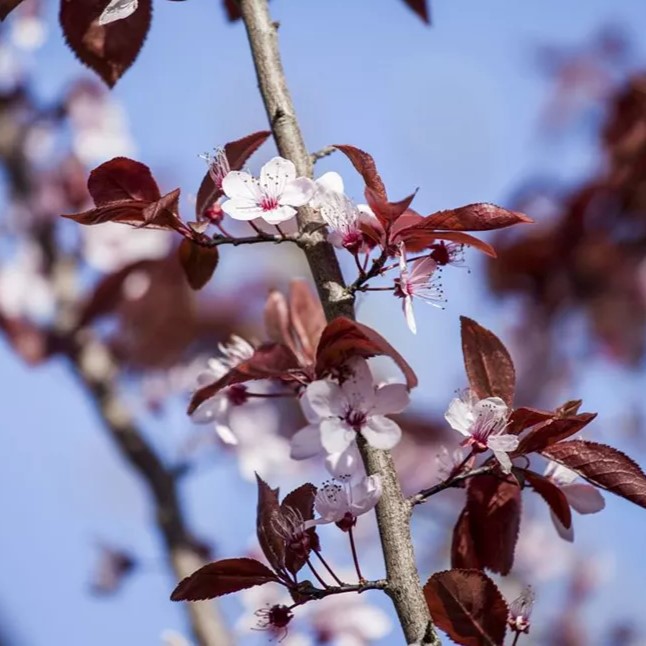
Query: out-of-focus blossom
{"x": 482, "y": 422}
{"x": 416, "y": 283}
{"x": 216, "y": 409}
{"x": 112, "y": 566}
{"x": 273, "y": 197}
{"x": 173, "y": 638}
{"x": 540, "y": 554}
{"x": 24, "y": 290}
{"x": 110, "y": 246}
{"x": 520, "y": 611}
{"x": 582, "y": 497}
{"x": 336, "y": 413}
{"x": 339, "y": 212}
{"x": 341, "y": 502}
{"x": 447, "y": 462}
{"x": 28, "y": 31}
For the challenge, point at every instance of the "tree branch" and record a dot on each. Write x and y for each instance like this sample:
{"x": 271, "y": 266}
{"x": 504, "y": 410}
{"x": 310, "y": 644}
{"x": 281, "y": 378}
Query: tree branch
{"x": 393, "y": 511}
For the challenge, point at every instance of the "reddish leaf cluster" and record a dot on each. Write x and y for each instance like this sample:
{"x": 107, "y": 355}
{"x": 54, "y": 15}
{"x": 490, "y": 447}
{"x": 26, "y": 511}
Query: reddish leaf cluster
{"x": 397, "y": 223}
{"x": 303, "y": 348}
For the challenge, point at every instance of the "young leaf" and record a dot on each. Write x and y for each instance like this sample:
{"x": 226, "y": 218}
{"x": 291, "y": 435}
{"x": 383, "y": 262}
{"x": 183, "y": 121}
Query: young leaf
{"x": 463, "y": 551}
{"x": 494, "y": 507}
{"x": 268, "y": 518}
{"x": 108, "y": 49}
{"x": 199, "y": 262}
{"x": 222, "y": 577}
{"x": 468, "y": 607}
{"x": 475, "y": 217}
{"x": 420, "y": 7}
{"x": 552, "y": 495}
{"x": 417, "y": 238}
{"x": 121, "y": 178}
{"x": 7, "y": 6}
{"x": 300, "y": 504}
{"x": 523, "y": 418}
{"x": 343, "y": 339}
{"x": 602, "y": 466}
{"x": 366, "y": 167}
{"x": 553, "y": 431}
{"x": 488, "y": 365}
{"x": 306, "y": 317}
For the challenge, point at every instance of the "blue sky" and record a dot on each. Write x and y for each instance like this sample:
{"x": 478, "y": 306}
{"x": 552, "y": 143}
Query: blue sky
{"x": 452, "y": 110}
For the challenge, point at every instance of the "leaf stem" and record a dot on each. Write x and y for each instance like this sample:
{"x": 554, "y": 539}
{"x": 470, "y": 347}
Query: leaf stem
{"x": 328, "y": 568}
{"x": 424, "y": 494}
{"x": 355, "y": 557}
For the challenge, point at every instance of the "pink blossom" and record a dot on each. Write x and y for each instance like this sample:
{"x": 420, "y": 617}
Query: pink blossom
{"x": 218, "y": 166}
{"x": 582, "y": 497}
{"x": 273, "y": 197}
{"x": 417, "y": 283}
{"x": 336, "y": 413}
{"x": 520, "y": 611}
{"x": 482, "y": 422}
{"x": 341, "y": 502}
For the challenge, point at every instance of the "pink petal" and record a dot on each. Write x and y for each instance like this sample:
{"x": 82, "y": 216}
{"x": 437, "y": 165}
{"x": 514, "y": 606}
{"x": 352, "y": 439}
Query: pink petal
{"x": 239, "y": 185}
{"x": 325, "y": 398}
{"x": 336, "y": 435}
{"x": 242, "y": 209}
{"x": 584, "y": 498}
{"x": 345, "y": 463}
{"x": 565, "y": 533}
{"x": 423, "y": 270}
{"x": 365, "y": 494}
{"x": 306, "y": 443}
{"x": 409, "y": 314}
{"x": 298, "y": 192}
{"x": 226, "y": 434}
{"x": 506, "y": 443}
{"x": 381, "y": 432}
{"x": 278, "y": 215}
{"x": 504, "y": 460}
{"x": 210, "y": 410}
{"x": 460, "y": 416}
{"x": 275, "y": 175}
{"x": 359, "y": 388}
{"x": 331, "y": 181}
{"x": 391, "y": 398}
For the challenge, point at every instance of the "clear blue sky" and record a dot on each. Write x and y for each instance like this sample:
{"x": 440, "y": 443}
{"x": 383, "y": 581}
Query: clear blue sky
{"x": 452, "y": 109}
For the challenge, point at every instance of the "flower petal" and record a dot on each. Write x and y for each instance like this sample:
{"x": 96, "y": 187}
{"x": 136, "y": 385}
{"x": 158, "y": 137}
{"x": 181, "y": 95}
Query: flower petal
{"x": 391, "y": 398}
{"x": 331, "y": 181}
{"x": 365, "y": 494}
{"x": 506, "y": 443}
{"x": 226, "y": 434}
{"x": 325, "y": 398}
{"x": 491, "y": 406}
{"x": 460, "y": 416}
{"x": 381, "y": 432}
{"x": 241, "y": 209}
{"x": 567, "y": 534}
{"x": 336, "y": 435}
{"x": 306, "y": 443}
{"x": 409, "y": 314}
{"x": 298, "y": 192}
{"x": 359, "y": 388}
{"x": 278, "y": 215}
{"x": 346, "y": 463}
{"x": 504, "y": 460}
{"x": 584, "y": 498}
{"x": 210, "y": 410}
{"x": 239, "y": 185}
{"x": 275, "y": 175}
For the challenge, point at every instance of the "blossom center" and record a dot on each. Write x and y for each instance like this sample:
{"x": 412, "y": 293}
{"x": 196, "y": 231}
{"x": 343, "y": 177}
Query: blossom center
{"x": 355, "y": 418}
{"x": 268, "y": 203}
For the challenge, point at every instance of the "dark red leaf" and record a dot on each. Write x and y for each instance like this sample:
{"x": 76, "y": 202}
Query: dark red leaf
{"x": 198, "y": 262}
{"x": 387, "y": 212}
{"x": 109, "y": 49}
{"x": 552, "y": 495}
{"x": 123, "y": 211}
{"x": 232, "y": 9}
{"x": 343, "y": 339}
{"x": 489, "y": 367}
{"x": 494, "y": 507}
{"x": 366, "y": 167}
{"x": 268, "y": 522}
{"x": 7, "y": 6}
{"x": 29, "y": 342}
{"x": 122, "y": 179}
{"x": 276, "y": 317}
{"x": 468, "y": 607}
{"x": 417, "y": 238}
{"x": 306, "y": 317}
{"x": 463, "y": 551}
{"x": 300, "y": 503}
{"x": 553, "y": 431}
{"x": 475, "y": 217}
{"x": 269, "y": 361}
{"x": 222, "y": 577}
{"x": 163, "y": 211}
{"x": 523, "y": 418}
{"x": 420, "y": 7}
{"x": 602, "y": 466}
{"x": 237, "y": 153}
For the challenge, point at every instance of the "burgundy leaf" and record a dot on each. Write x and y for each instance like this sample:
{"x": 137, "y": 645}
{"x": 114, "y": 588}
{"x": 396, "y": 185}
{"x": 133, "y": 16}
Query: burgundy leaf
{"x": 417, "y": 238}
{"x": 109, "y": 49}
{"x": 494, "y": 507}
{"x": 123, "y": 211}
{"x": 268, "y": 522}
{"x": 523, "y": 418}
{"x": 232, "y": 10}
{"x": 366, "y": 167}
{"x": 475, "y": 217}
{"x": 301, "y": 500}
{"x": 553, "y": 431}
{"x": 222, "y": 577}
{"x": 163, "y": 211}
{"x": 463, "y": 551}
{"x": 300, "y": 504}
{"x": 489, "y": 367}
{"x": 343, "y": 339}
{"x": 7, "y": 6}
{"x": 306, "y": 317}
{"x": 387, "y": 212}
{"x": 420, "y": 7}
{"x": 602, "y": 466}
{"x": 269, "y": 361}
{"x": 468, "y": 607}
{"x": 552, "y": 495}
{"x": 122, "y": 179}
{"x": 198, "y": 262}
{"x": 32, "y": 344}
{"x": 237, "y": 153}
{"x": 276, "y": 317}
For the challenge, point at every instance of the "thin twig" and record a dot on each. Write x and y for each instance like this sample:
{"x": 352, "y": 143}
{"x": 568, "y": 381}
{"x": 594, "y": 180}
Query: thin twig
{"x": 355, "y": 557}
{"x": 328, "y": 568}
{"x": 424, "y": 494}
{"x": 216, "y": 241}
{"x": 326, "y": 151}
{"x": 307, "y": 589}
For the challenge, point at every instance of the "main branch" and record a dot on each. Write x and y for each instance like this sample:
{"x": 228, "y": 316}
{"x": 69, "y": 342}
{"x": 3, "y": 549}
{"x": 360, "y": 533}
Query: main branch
{"x": 393, "y": 511}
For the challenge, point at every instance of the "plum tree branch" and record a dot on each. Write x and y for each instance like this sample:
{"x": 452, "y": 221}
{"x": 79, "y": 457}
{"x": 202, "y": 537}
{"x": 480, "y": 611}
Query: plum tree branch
{"x": 393, "y": 510}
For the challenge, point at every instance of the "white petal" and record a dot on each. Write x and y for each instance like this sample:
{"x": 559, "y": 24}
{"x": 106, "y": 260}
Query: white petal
{"x": 565, "y": 533}
{"x": 381, "y": 432}
{"x": 559, "y": 474}
{"x": 504, "y": 460}
{"x": 281, "y": 214}
{"x": 240, "y": 185}
{"x": 275, "y": 175}
{"x": 391, "y": 398}
{"x": 306, "y": 443}
{"x": 345, "y": 463}
{"x": 359, "y": 387}
{"x": 210, "y": 410}
{"x": 117, "y": 10}
{"x": 226, "y": 434}
{"x": 335, "y": 238}
{"x": 331, "y": 181}
{"x": 409, "y": 314}
{"x": 298, "y": 192}
{"x": 585, "y": 498}
{"x": 336, "y": 435}
{"x": 504, "y": 443}
{"x": 325, "y": 398}
{"x": 365, "y": 494}
{"x": 460, "y": 416}
{"x": 491, "y": 406}
{"x": 242, "y": 209}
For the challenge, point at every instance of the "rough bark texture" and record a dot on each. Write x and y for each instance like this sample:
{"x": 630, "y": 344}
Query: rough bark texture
{"x": 393, "y": 511}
